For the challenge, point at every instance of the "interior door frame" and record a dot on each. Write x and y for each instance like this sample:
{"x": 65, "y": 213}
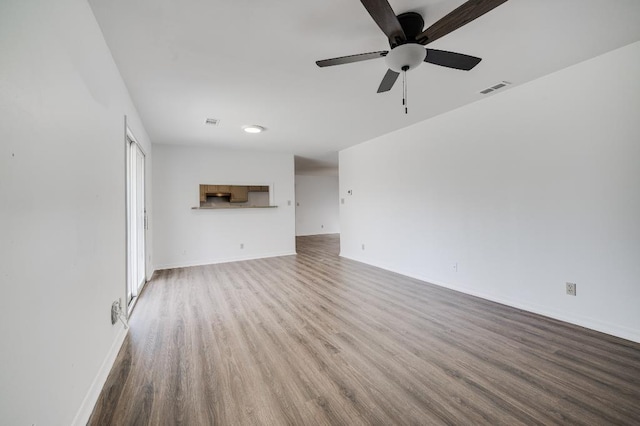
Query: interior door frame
{"x": 130, "y": 282}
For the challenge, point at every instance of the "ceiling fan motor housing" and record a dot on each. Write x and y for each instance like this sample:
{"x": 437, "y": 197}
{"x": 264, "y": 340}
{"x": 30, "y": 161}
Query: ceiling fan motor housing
{"x": 406, "y": 57}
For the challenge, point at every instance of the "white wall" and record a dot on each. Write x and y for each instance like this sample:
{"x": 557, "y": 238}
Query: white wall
{"x": 185, "y": 237}
{"x": 317, "y": 210}
{"x": 62, "y": 210}
{"x": 524, "y": 190}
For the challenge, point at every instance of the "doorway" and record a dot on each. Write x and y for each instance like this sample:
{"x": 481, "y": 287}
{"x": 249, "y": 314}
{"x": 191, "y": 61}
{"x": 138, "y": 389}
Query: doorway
{"x": 136, "y": 220}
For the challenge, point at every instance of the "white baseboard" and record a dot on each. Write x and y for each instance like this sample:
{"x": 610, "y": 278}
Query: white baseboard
{"x": 318, "y": 233}
{"x": 220, "y": 260}
{"x": 590, "y": 323}
{"x": 89, "y": 402}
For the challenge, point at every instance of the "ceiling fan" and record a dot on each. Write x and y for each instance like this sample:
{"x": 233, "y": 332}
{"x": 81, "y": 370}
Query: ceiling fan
{"x": 407, "y": 38}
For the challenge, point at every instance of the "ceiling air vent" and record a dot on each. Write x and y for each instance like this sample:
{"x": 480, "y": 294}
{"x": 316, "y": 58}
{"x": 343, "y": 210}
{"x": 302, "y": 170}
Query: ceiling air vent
{"x": 495, "y": 87}
{"x": 212, "y": 121}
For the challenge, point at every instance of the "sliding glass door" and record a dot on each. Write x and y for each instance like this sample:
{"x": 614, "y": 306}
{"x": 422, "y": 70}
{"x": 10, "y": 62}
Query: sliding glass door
{"x": 136, "y": 220}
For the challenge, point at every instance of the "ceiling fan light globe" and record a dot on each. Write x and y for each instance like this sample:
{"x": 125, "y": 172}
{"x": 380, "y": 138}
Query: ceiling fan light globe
{"x": 406, "y": 55}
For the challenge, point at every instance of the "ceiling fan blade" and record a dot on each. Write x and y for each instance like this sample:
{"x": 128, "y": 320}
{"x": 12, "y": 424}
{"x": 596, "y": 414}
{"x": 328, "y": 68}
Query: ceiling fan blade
{"x": 351, "y": 58}
{"x": 451, "y": 59}
{"x": 385, "y": 17}
{"x": 388, "y": 80}
{"x": 464, "y": 14}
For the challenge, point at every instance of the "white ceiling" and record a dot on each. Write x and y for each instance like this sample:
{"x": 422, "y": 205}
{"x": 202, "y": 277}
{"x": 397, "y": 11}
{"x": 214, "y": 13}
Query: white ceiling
{"x": 253, "y": 62}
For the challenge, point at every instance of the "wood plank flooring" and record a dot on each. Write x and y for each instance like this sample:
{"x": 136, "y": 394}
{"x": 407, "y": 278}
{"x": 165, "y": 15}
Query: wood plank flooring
{"x": 314, "y": 339}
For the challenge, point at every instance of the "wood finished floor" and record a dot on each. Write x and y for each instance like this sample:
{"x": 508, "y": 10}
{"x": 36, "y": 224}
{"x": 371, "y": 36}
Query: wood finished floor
{"x": 314, "y": 339}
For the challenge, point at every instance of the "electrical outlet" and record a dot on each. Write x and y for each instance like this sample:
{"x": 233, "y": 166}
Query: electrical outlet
{"x": 454, "y": 267}
{"x": 341, "y": 200}
{"x": 363, "y": 246}
{"x": 242, "y": 245}
{"x": 571, "y": 289}
{"x": 322, "y": 226}
{"x": 115, "y": 311}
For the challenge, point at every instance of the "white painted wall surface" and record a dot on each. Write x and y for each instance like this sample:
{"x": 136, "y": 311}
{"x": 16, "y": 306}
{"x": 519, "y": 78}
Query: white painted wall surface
{"x": 186, "y": 237}
{"x": 62, "y": 210}
{"x": 525, "y": 190}
{"x": 317, "y": 210}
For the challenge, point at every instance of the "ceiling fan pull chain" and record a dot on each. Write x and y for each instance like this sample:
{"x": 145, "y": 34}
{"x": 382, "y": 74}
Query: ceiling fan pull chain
{"x": 404, "y": 90}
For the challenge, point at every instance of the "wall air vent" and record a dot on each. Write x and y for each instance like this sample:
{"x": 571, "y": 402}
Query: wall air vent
{"x": 495, "y": 87}
{"x": 212, "y": 121}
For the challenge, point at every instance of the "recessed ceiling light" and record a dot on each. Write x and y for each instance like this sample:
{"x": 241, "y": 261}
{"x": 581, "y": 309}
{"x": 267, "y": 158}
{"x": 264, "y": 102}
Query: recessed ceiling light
{"x": 253, "y": 129}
